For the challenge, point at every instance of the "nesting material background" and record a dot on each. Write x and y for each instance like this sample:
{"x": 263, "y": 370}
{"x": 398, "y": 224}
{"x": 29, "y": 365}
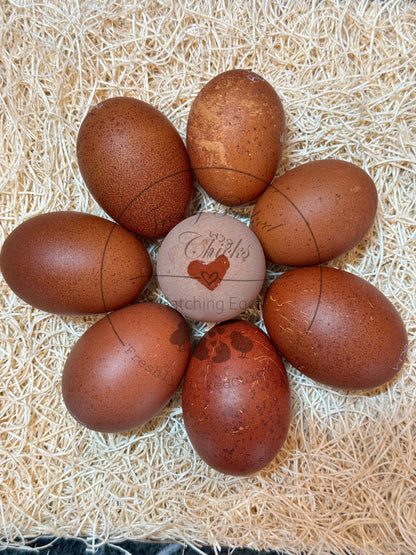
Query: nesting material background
{"x": 345, "y": 72}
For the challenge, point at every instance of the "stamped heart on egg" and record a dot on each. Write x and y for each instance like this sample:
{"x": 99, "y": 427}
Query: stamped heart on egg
{"x": 210, "y": 274}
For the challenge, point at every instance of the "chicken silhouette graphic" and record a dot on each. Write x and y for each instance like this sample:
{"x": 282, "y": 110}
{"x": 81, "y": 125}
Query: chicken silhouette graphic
{"x": 202, "y": 350}
{"x": 180, "y": 336}
{"x": 241, "y": 343}
{"x": 222, "y": 352}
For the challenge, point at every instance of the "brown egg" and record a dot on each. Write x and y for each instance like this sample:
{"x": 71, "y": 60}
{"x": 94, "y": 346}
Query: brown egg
{"x": 335, "y": 327}
{"x": 126, "y": 367}
{"x": 74, "y": 263}
{"x": 135, "y": 164}
{"x": 236, "y": 399}
{"x": 235, "y": 136}
{"x": 315, "y": 212}
{"x": 211, "y": 267}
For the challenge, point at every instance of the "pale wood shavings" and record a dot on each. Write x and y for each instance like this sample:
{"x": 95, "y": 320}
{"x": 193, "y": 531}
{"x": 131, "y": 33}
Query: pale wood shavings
{"x": 345, "y": 478}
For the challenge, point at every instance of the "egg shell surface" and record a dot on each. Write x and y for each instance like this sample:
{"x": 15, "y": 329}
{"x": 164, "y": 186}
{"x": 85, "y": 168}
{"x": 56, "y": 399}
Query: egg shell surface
{"x": 335, "y": 327}
{"x": 315, "y": 212}
{"x": 236, "y": 399}
{"x": 211, "y": 267}
{"x": 126, "y": 367}
{"x": 235, "y": 136}
{"x": 74, "y": 263}
{"x": 135, "y": 164}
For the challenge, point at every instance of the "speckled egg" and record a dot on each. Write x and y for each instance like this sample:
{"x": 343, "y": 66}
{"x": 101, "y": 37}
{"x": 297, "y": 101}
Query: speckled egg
{"x": 236, "y": 399}
{"x": 235, "y": 136}
{"x": 335, "y": 327}
{"x": 126, "y": 367}
{"x": 135, "y": 164}
{"x": 315, "y": 212}
{"x": 74, "y": 263}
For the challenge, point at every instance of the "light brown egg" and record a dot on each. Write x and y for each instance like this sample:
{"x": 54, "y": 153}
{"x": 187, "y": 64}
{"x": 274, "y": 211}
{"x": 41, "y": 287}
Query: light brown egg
{"x": 335, "y": 327}
{"x": 236, "y": 399}
{"x": 211, "y": 267}
{"x": 126, "y": 367}
{"x": 136, "y": 166}
{"x": 235, "y": 136}
{"x": 315, "y": 212}
{"x": 74, "y": 263}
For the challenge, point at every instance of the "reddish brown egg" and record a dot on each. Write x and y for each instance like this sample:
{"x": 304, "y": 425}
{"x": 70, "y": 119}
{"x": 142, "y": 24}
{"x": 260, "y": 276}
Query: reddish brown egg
{"x": 236, "y": 399}
{"x": 335, "y": 327}
{"x": 315, "y": 212}
{"x": 235, "y": 136}
{"x": 135, "y": 164}
{"x": 126, "y": 367}
{"x": 74, "y": 263}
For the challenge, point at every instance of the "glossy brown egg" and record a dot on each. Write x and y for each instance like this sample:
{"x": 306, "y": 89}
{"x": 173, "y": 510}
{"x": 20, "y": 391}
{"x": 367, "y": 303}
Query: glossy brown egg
{"x": 235, "y": 136}
{"x": 135, "y": 164}
{"x": 335, "y": 327}
{"x": 315, "y": 212}
{"x": 126, "y": 367}
{"x": 236, "y": 399}
{"x": 74, "y": 263}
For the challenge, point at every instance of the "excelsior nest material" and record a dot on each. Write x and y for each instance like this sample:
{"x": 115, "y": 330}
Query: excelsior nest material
{"x": 345, "y": 71}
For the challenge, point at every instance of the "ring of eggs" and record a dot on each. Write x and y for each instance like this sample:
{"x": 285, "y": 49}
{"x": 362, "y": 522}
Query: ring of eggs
{"x": 331, "y": 325}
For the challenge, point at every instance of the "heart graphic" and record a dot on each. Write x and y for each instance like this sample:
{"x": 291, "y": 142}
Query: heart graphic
{"x": 208, "y": 278}
{"x": 209, "y": 274}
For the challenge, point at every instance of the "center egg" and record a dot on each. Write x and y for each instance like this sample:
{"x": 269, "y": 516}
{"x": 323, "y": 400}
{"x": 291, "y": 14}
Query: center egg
{"x": 211, "y": 267}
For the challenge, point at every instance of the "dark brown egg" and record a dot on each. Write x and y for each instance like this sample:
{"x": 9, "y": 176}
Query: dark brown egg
{"x": 236, "y": 399}
{"x": 74, "y": 263}
{"x": 235, "y": 136}
{"x": 126, "y": 367}
{"x": 135, "y": 164}
{"x": 335, "y": 327}
{"x": 315, "y": 212}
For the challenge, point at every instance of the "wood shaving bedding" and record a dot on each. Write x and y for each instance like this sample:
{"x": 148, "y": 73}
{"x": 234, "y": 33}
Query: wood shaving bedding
{"x": 345, "y": 71}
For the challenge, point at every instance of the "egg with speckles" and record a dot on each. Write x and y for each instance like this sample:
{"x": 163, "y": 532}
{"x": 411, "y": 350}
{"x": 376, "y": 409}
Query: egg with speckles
{"x": 125, "y": 368}
{"x": 335, "y": 327}
{"x": 235, "y": 136}
{"x": 135, "y": 165}
{"x": 236, "y": 399}
{"x": 74, "y": 263}
{"x": 315, "y": 212}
